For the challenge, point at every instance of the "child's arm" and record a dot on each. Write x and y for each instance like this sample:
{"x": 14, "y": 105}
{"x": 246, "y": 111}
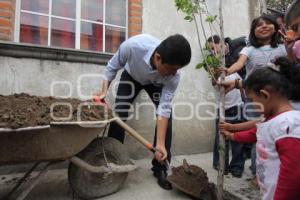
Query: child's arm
{"x": 237, "y": 127}
{"x": 288, "y": 183}
{"x": 247, "y": 136}
{"x": 238, "y": 65}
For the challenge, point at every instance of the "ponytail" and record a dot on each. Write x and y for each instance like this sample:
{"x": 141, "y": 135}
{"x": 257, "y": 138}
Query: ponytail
{"x": 283, "y": 77}
{"x": 292, "y": 74}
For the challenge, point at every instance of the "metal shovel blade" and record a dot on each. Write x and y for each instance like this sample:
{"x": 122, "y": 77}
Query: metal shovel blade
{"x": 189, "y": 179}
{"x": 193, "y": 181}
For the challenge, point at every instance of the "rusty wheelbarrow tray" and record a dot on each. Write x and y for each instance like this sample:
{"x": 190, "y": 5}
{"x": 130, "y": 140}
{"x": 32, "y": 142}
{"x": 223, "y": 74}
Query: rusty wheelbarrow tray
{"x": 91, "y": 157}
{"x": 57, "y": 141}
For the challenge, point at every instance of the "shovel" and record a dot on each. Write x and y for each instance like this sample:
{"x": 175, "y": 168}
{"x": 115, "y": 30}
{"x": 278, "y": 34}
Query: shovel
{"x": 132, "y": 132}
{"x": 189, "y": 179}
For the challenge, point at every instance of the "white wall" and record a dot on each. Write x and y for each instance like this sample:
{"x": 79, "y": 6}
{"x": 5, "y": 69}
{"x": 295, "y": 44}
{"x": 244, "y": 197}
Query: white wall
{"x": 37, "y": 77}
{"x": 161, "y": 19}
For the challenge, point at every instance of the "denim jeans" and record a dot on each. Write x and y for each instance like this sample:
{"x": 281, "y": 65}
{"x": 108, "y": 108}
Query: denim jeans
{"x": 232, "y": 115}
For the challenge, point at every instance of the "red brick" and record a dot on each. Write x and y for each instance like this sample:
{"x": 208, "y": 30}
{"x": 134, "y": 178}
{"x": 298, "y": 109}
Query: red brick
{"x": 6, "y": 5}
{"x": 135, "y": 13}
{"x": 135, "y": 27}
{"x": 5, "y": 22}
{"x": 5, "y": 30}
{"x": 135, "y": 7}
{"x": 132, "y": 33}
{"x": 135, "y": 1}
{"x": 4, "y": 37}
{"x": 6, "y": 14}
{"x": 137, "y": 20}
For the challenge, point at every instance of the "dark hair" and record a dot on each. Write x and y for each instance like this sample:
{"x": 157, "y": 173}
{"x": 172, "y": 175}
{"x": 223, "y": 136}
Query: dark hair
{"x": 284, "y": 81}
{"x": 292, "y": 12}
{"x": 215, "y": 39}
{"x": 278, "y": 15}
{"x": 175, "y": 50}
{"x": 254, "y": 41}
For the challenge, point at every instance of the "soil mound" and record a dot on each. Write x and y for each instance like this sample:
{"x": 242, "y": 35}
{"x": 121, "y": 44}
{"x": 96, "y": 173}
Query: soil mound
{"x": 193, "y": 181}
{"x": 24, "y": 110}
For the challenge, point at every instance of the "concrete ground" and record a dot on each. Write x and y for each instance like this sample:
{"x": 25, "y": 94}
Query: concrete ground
{"x": 140, "y": 184}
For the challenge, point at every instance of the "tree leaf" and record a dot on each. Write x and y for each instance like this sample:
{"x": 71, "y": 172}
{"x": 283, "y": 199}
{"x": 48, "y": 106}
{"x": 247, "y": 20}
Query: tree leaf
{"x": 200, "y": 65}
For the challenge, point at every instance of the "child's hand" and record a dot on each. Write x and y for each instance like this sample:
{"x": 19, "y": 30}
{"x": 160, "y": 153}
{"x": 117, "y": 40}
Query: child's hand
{"x": 228, "y": 135}
{"x": 222, "y": 69}
{"x": 229, "y": 85}
{"x": 224, "y": 126}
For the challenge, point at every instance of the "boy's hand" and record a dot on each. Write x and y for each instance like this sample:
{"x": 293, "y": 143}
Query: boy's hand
{"x": 224, "y": 126}
{"x": 99, "y": 96}
{"x": 228, "y": 135}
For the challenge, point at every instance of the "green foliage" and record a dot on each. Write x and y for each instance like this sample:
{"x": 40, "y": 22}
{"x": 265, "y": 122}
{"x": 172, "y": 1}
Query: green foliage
{"x": 280, "y": 5}
{"x": 210, "y": 61}
{"x": 211, "y": 18}
{"x": 188, "y": 7}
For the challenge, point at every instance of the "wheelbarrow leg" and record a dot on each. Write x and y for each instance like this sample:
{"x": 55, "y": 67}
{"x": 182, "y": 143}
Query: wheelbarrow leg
{"x": 24, "y": 192}
{"x": 21, "y": 181}
{"x": 35, "y": 181}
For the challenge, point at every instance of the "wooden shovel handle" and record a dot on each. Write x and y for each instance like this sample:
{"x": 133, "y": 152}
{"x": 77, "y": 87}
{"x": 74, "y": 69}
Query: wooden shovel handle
{"x": 135, "y": 135}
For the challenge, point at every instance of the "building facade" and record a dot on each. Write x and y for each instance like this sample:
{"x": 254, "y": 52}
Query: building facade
{"x": 60, "y": 47}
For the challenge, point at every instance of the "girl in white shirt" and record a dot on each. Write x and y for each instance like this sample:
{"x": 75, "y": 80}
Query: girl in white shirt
{"x": 264, "y": 46}
{"x": 278, "y": 137}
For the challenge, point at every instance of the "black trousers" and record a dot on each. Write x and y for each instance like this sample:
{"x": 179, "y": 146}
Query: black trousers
{"x": 126, "y": 94}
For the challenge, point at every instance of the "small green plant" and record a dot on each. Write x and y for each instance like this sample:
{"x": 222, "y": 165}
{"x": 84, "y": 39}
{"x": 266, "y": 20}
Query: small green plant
{"x": 191, "y": 8}
{"x": 210, "y": 62}
{"x": 188, "y": 7}
{"x": 211, "y": 18}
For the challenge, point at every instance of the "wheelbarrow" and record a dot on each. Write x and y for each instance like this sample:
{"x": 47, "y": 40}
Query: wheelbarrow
{"x": 98, "y": 165}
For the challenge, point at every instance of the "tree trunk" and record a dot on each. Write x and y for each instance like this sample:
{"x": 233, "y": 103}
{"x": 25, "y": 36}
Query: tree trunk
{"x": 220, "y": 180}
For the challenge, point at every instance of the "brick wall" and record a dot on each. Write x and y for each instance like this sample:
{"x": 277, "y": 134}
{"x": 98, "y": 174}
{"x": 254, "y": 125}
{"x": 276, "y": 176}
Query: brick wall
{"x": 7, "y": 19}
{"x": 135, "y": 14}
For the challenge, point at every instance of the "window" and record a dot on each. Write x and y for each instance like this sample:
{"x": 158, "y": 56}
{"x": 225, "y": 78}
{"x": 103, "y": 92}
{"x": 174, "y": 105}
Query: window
{"x": 96, "y": 25}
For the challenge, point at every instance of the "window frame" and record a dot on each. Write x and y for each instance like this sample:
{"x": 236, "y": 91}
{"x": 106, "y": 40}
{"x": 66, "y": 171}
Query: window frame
{"x": 77, "y": 21}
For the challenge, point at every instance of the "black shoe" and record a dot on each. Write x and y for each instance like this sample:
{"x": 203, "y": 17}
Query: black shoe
{"x": 162, "y": 179}
{"x": 237, "y": 174}
{"x": 226, "y": 172}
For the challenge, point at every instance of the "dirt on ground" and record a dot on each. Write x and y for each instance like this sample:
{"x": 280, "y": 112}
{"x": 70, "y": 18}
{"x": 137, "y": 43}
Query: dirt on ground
{"x": 193, "y": 181}
{"x": 24, "y": 110}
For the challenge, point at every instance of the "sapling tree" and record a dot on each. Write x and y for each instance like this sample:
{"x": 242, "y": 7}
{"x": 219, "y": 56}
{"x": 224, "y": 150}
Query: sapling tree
{"x": 196, "y": 11}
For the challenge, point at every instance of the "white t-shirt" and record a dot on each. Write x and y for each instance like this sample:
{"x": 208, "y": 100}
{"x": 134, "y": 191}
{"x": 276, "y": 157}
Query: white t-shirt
{"x": 268, "y": 133}
{"x": 259, "y": 57}
{"x": 233, "y": 97}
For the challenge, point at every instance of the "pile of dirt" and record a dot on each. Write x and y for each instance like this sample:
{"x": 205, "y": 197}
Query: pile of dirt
{"x": 193, "y": 181}
{"x": 24, "y": 110}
